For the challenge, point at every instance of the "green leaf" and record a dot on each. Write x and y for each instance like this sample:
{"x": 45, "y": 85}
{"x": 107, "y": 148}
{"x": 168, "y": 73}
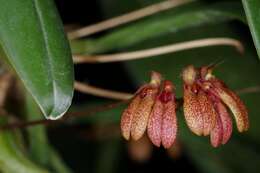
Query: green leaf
{"x": 12, "y": 159}
{"x": 253, "y": 17}
{"x": 33, "y": 41}
{"x": 160, "y": 24}
{"x": 39, "y": 148}
{"x": 38, "y": 141}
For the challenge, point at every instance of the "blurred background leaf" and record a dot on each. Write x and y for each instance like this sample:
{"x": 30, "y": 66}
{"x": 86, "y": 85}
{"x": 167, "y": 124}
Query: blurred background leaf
{"x": 12, "y": 157}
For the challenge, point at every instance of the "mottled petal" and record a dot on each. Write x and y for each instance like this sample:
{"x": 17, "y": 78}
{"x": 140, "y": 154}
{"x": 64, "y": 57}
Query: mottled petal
{"x": 169, "y": 120}
{"x": 192, "y": 111}
{"x": 236, "y": 106}
{"x": 243, "y": 110}
{"x": 127, "y": 116}
{"x": 169, "y": 124}
{"x": 225, "y": 120}
{"x": 155, "y": 123}
{"x": 208, "y": 112}
{"x": 216, "y": 135}
{"x": 140, "y": 118}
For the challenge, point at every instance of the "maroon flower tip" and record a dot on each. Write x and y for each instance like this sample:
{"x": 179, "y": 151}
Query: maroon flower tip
{"x": 167, "y": 93}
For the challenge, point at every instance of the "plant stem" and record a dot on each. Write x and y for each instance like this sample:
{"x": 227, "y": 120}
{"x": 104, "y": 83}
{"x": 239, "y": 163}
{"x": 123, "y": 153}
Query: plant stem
{"x": 85, "y": 88}
{"x": 87, "y": 112}
{"x": 126, "y": 18}
{"x": 253, "y": 89}
{"x": 126, "y": 56}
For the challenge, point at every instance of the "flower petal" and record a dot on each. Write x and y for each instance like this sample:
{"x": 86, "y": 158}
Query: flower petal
{"x": 155, "y": 123}
{"x": 208, "y": 112}
{"x": 236, "y": 106}
{"x": 127, "y": 116}
{"x": 243, "y": 111}
{"x": 225, "y": 120}
{"x": 192, "y": 111}
{"x": 216, "y": 135}
{"x": 169, "y": 124}
{"x": 140, "y": 118}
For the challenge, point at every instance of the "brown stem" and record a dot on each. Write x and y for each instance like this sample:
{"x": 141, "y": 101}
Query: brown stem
{"x": 126, "y": 56}
{"x": 88, "y": 89}
{"x": 126, "y": 18}
{"x": 253, "y": 89}
{"x": 69, "y": 115}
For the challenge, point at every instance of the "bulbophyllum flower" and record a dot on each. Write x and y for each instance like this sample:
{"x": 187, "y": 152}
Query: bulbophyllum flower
{"x": 134, "y": 119}
{"x": 152, "y": 107}
{"x": 206, "y": 100}
{"x": 162, "y": 125}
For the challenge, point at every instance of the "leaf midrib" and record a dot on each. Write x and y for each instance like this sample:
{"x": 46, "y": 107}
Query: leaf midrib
{"x": 45, "y": 39}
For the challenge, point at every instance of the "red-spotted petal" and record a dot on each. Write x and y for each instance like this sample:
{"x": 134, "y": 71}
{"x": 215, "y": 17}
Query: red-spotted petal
{"x": 140, "y": 117}
{"x": 236, "y": 106}
{"x": 225, "y": 120}
{"x": 208, "y": 112}
{"x": 169, "y": 124}
{"x": 155, "y": 123}
{"x": 216, "y": 135}
{"x": 243, "y": 111}
{"x": 127, "y": 116}
{"x": 192, "y": 111}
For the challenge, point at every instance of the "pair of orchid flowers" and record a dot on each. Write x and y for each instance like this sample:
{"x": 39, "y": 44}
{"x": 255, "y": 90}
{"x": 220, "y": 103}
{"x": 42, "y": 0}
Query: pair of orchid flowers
{"x": 207, "y": 103}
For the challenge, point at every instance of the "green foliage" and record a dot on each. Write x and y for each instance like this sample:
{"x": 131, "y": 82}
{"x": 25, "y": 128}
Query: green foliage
{"x": 40, "y": 149}
{"x": 33, "y": 41}
{"x": 252, "y": 12}
{"x": 12, "y": 158}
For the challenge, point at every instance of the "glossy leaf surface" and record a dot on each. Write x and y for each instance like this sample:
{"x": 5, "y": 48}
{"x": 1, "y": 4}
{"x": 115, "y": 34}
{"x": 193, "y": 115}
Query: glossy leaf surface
{"x": 35, "y": 45}
{"x": 253, "y": 15}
